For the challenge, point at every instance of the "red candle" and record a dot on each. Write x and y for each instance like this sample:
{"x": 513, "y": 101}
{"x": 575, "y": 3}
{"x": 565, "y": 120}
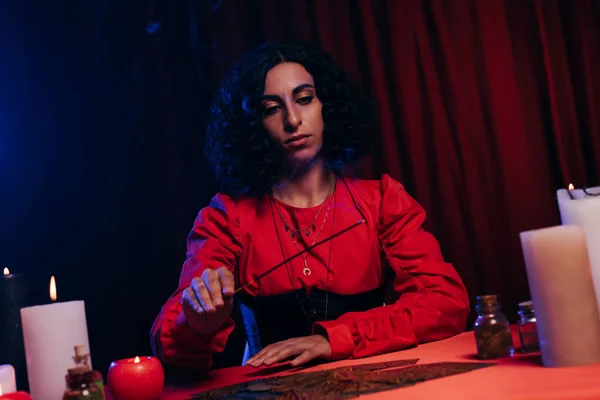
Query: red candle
{"x": 139, "y": 378}
{"x": 15, "y": 396}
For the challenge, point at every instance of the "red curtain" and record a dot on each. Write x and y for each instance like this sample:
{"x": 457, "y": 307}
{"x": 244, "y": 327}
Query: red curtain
{"x": 486, "y": 107}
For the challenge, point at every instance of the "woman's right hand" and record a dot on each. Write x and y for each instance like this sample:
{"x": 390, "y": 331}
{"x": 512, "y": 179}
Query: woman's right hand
{"x": 208, "y": 301}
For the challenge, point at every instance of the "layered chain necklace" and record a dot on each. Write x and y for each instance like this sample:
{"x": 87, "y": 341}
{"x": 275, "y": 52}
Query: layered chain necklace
{"x": 296, "y": 234}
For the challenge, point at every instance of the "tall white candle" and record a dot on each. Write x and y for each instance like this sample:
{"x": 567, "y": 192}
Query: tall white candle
{"x": 584, "y": 210}
{"x": 8, "y": 380}
{"x": 51, "y": 331}
{"x": 558, "y": 272}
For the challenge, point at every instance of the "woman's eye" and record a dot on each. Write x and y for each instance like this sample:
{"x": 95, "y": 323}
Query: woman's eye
{"x": 270, "y": 110}
{"x": 304, "y": 100}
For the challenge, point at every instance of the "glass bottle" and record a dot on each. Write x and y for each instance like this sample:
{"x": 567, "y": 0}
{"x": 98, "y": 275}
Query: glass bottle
{"x": 83, "y": 383}
{"x": 492, "y": 329}
{"x": 527, "y": 328}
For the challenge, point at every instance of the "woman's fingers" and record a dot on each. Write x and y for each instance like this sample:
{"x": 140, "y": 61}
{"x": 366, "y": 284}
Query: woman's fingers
{"x": 305, "y": 348}
{"x": 282, "y": 354}
{"x": 277, "y": 352}
{"x": 204, "y": 306}
{"x": 227, "y": 281}
{"x": 304, "y": 357}
{"x": 202, "y": 294}
{"x": 217, "y": 283}
{"x": 213, "y": 286}
{"x": 190, "y": 300}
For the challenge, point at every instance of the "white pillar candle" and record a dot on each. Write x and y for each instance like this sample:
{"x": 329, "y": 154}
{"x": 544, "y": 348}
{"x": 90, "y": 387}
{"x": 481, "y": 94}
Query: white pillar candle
{"x": 558, "y": 272}
{"x": 584, "y": 210}
{"x": 51, "y": 331}
{"x": 8, "y": 380}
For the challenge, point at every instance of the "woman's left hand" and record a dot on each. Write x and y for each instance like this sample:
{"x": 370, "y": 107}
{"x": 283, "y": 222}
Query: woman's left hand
{"x": 305, "y": 349}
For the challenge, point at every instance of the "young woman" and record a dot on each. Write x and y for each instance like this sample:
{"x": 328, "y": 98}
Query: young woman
{"x": 284, "y": 124}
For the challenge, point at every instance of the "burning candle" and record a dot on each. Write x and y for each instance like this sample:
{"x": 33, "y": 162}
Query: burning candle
{"x": 582, "y": 207}
{"x": 13, "y": 296}
{"x": 139, "y": 378}
{"x": 51, "y": 332}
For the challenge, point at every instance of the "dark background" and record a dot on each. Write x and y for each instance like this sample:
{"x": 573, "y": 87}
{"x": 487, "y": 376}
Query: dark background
{"x": 486, "y": 108}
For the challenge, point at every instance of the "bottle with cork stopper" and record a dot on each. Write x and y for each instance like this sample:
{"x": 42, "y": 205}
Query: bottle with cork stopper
{"x": 82, "y": 381}
{"x": 492, "y": 329}
{"x": 527, "y": 327}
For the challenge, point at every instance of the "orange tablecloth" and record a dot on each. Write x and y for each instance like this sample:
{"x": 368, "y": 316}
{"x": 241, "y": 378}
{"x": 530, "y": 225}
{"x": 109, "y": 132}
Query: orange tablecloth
{"x": 520, "y": 377}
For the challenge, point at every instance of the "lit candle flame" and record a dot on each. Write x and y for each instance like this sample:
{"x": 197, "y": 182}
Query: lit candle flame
{"x": 571, "y": 187}
{"x": 137, "y": 359}
{"x": 0, "y": 383}
{"x": 52, "y": 288}
{"x": 6, "y": 272}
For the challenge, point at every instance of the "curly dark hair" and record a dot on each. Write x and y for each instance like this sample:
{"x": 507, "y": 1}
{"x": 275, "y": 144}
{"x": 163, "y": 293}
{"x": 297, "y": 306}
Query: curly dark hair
{"x": 244, "y": 157}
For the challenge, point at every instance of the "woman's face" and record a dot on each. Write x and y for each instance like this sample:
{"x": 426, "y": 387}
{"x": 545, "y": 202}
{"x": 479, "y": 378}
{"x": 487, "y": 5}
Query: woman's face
{"x": 291, "y": 113}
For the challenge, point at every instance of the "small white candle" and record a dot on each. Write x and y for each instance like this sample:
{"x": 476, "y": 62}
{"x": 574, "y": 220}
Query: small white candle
{"x": 584, "y": 210}
{"x": 8, "y": 382}
{"x": 558, "y": 272}
{"x": 51, "y": 331}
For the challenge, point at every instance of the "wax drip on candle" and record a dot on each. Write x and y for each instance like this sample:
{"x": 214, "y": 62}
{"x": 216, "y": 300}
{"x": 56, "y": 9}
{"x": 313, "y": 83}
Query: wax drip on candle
{"x": 571, "y": 187}
{"x": 6, "y": 272}
{"x": 52, "y": 288}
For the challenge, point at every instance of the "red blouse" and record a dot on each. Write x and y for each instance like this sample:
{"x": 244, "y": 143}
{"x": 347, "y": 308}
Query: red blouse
{"x": 247, "y": 235}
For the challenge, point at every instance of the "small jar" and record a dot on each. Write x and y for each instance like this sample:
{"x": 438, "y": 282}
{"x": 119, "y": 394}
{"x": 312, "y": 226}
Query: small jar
{"x": 527, "y": 328}
{"x": 492, "y": 329}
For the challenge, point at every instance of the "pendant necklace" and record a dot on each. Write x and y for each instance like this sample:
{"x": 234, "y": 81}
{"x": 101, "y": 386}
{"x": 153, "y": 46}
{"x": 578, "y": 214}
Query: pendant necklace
{"x": 296, "y": 233}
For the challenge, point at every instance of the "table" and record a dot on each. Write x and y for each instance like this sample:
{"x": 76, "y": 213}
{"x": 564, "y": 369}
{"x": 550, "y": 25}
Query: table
{"x": 521, "y": 377}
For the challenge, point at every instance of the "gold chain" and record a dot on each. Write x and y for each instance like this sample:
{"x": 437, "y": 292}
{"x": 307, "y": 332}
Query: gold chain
{"x": 292, "y": 231}
{"x": 307, "y": 271}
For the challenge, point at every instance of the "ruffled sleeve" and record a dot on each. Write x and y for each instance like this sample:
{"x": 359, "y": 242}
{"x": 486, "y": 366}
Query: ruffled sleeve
{"x": 432, "y": 303}
{"x": 212, "y": 243}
